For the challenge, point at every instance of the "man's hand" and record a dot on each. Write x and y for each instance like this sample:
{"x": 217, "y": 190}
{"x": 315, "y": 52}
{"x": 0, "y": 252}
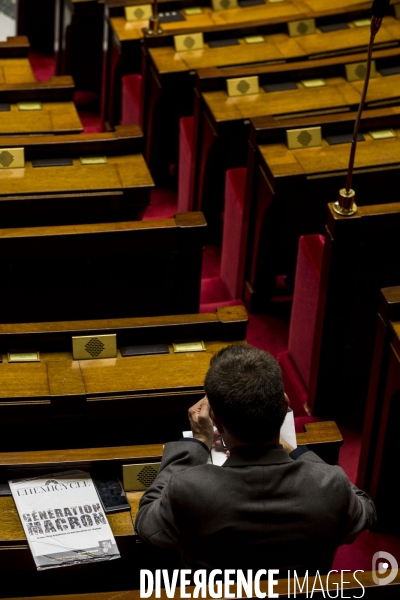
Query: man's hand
{"x": 200, "y": 422}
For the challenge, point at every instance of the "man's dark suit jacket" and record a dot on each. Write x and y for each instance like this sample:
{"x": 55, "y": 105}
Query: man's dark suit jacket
{"x": 260, "y": 510}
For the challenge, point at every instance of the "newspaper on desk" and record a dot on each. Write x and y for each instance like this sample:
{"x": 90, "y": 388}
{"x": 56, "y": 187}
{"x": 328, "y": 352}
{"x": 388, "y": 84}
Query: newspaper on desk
{"x": 63, "y": 520}
{"x": 287, "y": 433}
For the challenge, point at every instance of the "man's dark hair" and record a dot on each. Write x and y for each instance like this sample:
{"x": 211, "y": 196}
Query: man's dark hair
{"x": 245, "y": 390}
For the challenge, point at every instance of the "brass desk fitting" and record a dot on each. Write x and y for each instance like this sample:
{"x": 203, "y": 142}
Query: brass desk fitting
{"x": 345, "y": 204}
{"x": 154, "y": 27}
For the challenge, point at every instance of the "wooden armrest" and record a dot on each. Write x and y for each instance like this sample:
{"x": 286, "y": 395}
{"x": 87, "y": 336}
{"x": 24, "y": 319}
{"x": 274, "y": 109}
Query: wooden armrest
{"x": 323, "y": 438}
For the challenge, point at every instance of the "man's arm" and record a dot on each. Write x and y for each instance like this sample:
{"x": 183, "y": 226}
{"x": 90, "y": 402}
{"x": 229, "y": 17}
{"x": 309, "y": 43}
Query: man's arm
{"x": 155, "y": 521}
{"x": 361, "y": 513}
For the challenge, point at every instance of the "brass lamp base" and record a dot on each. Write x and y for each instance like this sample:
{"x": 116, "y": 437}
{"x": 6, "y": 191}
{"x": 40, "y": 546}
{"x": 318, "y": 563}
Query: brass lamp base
{"x": 345, "y": 204}
{"x": 154, "y": 27}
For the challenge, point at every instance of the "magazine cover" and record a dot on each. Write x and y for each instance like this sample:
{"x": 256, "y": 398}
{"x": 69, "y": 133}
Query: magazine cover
{"x": 63, "y": 520}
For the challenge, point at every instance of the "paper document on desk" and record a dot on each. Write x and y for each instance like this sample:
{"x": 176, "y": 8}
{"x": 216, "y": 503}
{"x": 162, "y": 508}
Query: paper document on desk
{"x": 287, "y": 433}
{"x": 63, "y": 520}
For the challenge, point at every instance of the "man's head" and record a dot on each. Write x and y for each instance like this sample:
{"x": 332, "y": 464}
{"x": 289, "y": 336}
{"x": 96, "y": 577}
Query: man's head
{"x": 245, "y": 391}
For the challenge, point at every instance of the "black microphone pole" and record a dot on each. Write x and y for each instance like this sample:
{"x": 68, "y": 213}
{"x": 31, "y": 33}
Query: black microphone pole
{"x": 345, "y": 204}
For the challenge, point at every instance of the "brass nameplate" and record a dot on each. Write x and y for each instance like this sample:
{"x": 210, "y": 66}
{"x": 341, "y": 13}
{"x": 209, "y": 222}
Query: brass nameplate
{"x": 29, "y": 106}
{"x": 254, "y": 39}
{"x": 304, "y": 138}
{"x": 189, "y": 347}
{"x": 275, "y": 1}
{"x": 189, "y": 41}
{"x": 17, "y": 357}
{"x": 242, "y": 86}
{"x": 12, "y": 158}
{"x": 357, "y": 71}
{"x": 140, "y": 12}
{"x": 362, "y": 23}
{"x": 194, "y": 10}
{"x": 223, "y": 4}
{"x": 313, "y": 83}
{"x": 397, "y": 11}
{"x": 139, "y": 477}
{"x": 94, "y": 346}
{"x": 382, "y": 134}
{"x": 305, "y": 27}
{"x": 93, "y": 160}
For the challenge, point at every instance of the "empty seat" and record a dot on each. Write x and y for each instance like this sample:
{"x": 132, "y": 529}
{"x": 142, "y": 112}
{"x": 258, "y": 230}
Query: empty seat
{"x": 186, "y": 125}
{"x": 235, "y": 185}
{"x": 131, "y": 100}
{"x": 296, "y": 361}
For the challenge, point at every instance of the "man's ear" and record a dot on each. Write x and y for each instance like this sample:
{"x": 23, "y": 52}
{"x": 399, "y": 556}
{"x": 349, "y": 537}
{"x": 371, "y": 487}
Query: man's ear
{"x": 217, "y": 422}
{"x": 287, "y": 401}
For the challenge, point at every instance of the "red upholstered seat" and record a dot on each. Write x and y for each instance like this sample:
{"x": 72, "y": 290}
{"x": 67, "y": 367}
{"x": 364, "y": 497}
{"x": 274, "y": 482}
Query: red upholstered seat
{"x": 235, "y": 185}
{"x": 186, "y": 126}
{"x": 296, "y": 361}
{"x": 131, "y": 100}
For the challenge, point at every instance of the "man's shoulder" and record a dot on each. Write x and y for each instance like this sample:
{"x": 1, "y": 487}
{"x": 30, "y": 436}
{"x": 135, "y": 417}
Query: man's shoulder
{"x": 311, "y": 469}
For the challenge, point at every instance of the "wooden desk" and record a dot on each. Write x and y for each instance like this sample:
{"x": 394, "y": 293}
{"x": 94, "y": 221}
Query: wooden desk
{"x": 106, "y": 270}
{"x": 170, "y": 75}
{"x": 287, "y": 194}
{"x": 360, "y": 258}
{"x": 109, "y": 401}
{"x": 124, "y": 38}
{"x": 15, "y": 47}
{"x": 116, "y": 191}
{"x": 25, "y": 464}
{"x": 56, "y": 89}
{"x": 380, "y": 435}
{"x": 16, "y": 70}
{"x": 222, "y": 127}
{"x": 16, "y": 558}
{"x": 54, "y": 117}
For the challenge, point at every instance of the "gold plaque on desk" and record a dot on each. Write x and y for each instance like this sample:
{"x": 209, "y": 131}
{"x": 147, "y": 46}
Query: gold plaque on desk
{"x": 189, "y": 41}
{"x": 382, "y": 134}
{"x": 362, "y": 23}
{"x": 193, "y": 10}
{"x": 223, "y": 4}
{"x": 18, "y": 357}
{"x": 139, "y": 477}
{"x": 189, "y": 347}
{"x": 12, "y": 158}
{"x": 304, "y": 27}
{"x": 242, "y": 86}
{"x": 140, "y": 12}
{"x": 93, "y": 160}
{"x": 29, "y": 106}
{"x": 94, "y": 346}
{"x": 254, "y": 39}
{"x": 313, "y": 83}
{"x": 357, "y": 71}
{"x": 304, "y": 138}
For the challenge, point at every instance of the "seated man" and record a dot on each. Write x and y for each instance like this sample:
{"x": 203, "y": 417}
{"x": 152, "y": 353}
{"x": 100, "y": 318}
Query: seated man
{"x": 267, "y": 507}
